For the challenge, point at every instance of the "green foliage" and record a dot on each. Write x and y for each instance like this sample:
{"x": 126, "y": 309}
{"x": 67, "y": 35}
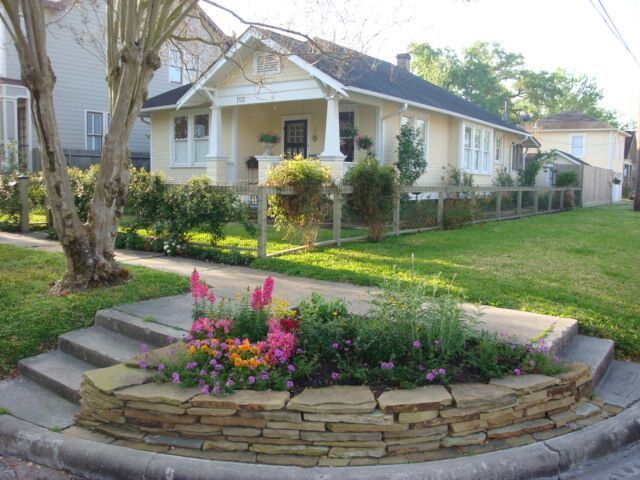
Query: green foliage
{"x": 83, "y": 186}
{"x": 503, "y": 178}
{"x": 302, "y": 211}
{"x": 411, "y": 162}
{"x": 10, "y": 195}
{"x": 455, "y": 177}
{"x": 489, "y": 76}
{"x": 146, "y": 198}
{"x": 373, "y": 186}
{"x": 567, "y": 178}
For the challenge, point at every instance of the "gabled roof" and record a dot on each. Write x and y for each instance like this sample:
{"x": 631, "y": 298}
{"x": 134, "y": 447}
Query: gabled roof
{"x": 570, "y": 121}
{"x": 357, "y": 72}
{"x": 568, "y": 156}
{"x": 166, "y": 99}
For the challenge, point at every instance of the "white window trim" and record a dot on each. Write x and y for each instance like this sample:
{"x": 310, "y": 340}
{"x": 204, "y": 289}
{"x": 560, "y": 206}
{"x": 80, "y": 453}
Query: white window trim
{"x": 500, "y": 160}
{"x": 484, "y": 131}
{"x": 104, "y": 129}
{"x": 346, "y": 108}
{"x": 191, "y": 141}
{"x": 427, "y": 143}
{"x": 584, "y": 144}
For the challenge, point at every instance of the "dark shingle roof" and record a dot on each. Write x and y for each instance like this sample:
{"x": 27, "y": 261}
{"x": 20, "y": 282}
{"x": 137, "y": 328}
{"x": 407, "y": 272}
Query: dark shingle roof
{"x": 167, "y": 98}
{"x": 357, "y": 70}
{"x": 569, "y": 121}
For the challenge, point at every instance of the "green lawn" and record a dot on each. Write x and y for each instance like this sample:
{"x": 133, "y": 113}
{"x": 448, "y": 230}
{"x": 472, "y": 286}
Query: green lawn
{"x": 31, "y": 319}
{"x": 583, "y": 264}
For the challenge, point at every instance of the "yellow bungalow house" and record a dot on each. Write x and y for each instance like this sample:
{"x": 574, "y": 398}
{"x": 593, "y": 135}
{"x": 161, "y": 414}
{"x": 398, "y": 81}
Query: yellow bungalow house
{"x": 309, "y": 93}
{"x": 580, "y": 139}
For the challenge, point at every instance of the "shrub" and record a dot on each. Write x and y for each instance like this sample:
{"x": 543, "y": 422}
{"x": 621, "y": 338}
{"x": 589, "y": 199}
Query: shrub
{"x": 372, "y": 198}
{"x": 10, "y": 195}
{"x": 567, "y": 178}
{"x": 302, "y": 211}
{"x": 146, "y": 197}
{"x": 411, "y": 162}
{"x": 503, "y": 178}
{"x": 454, "y": 177}
{"x": 83, "y": 185}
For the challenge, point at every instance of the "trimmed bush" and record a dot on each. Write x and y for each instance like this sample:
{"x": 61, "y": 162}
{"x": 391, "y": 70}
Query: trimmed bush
{"x": 301, "y": 212}
{"x": 372, "y": 199}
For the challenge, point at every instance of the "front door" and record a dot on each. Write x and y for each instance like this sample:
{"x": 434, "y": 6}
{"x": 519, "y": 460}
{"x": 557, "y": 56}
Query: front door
{"x": 295, "y": 138}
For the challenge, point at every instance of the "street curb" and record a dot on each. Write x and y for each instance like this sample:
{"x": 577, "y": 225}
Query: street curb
{"x": 107, "y": 462}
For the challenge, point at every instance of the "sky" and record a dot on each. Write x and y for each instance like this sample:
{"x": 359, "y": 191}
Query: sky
{"x": 549, "y": 33}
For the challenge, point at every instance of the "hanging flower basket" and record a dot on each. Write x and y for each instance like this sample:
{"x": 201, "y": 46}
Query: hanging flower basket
{"x": 364, "y": 142}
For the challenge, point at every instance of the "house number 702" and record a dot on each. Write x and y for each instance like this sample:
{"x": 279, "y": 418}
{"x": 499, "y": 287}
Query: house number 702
{"x": 240, "y": 99}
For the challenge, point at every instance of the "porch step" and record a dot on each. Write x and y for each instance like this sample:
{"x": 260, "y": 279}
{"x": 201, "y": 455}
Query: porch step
{"x": 59, "y": 372}
{"x": 98, "y": 346}
{"x": 620, "y": 386}
{"x": 33, "y": 403}
{"x": 145, "y": 331}
{"x": 596, "y": 352}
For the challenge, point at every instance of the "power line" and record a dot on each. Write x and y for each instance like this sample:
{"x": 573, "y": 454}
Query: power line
{"x": 606, "y": 18}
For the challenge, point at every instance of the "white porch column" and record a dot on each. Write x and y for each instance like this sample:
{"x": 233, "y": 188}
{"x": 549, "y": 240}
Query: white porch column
{"x": 216, "y": 160}
{"x": 331, "y": 155}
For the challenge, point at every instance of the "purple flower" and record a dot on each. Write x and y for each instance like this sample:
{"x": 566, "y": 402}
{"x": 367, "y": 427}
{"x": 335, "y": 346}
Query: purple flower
{"x": 230, "y": 382}
{"x": 416, "y": 344}
{"x": 170, "y": 339}
{"x": 264, "y": 375}
{"x": 219, "y": 367}
{"x": 202, "y": 372}
{"x": 142, "y": 363}
{"x": 347, "y": 342}
{"x": 216, "y": 388}
{"x": 188, "y": 337}
{"x": 386, "y": 365}
{"x": 175, "y": 377}
{"x": 299, "y": 351}
{"x": 442, "y": 371}
{"x": 212, "y": 362}
{"x": 191, "y": 365}
{"x": 215, "y": 373}
{"x": 421, "y": 367}
{"x": 144, "y": 348}
{"x": 289, "y": 385}
{"x": 430, "y": 376}
{"x": 335, "y": 375}
{"x": 205, "y": 389}
{"x": 291, "y": 368}
{"x": 513, "y": 346}
{"x": 172, "y": 351}
{"x": 251, "y": 379}
{"x": 161, "y": 367}
{"x": 532, "y": 363}
{"x": 335, "y": 345}
{"x": 436, "y": 342}
{"x": 516, "y": 372}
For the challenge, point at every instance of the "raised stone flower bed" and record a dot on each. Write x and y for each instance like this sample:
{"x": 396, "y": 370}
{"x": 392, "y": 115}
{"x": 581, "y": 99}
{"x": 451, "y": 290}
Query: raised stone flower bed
{"x": 334, "y": 426}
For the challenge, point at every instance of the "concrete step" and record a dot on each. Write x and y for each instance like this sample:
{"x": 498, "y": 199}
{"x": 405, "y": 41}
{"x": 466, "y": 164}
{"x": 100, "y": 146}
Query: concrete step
{"x": 597, "y": 352}
{"x": 620, "y": 386}
{"x": 57, "y": 371}
{"x": 142, "y": 329}
{"x": 33, "y": 403}
{"x": 98, "y": 346}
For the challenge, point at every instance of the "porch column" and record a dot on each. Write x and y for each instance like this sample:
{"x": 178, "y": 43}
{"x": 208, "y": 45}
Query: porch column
{"x": 331, "y": 155}
{"x": 216, "y": 160}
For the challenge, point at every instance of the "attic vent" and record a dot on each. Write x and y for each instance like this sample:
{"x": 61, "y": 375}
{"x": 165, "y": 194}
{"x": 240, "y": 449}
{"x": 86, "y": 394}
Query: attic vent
{"x": 266, "y": 64}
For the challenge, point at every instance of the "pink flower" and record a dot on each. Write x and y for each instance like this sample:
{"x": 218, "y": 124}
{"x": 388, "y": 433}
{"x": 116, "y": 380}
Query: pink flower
{"x": 430, "y": 376}
{"x": 517, "y": 372}
{"x": 416, "y": 344}
{"x": 267, "y": 290}
{"x": 442, "y": 371}
{"x": 257, "y": 299}
{"x": 280, "y": 343}
{"x": 335, "y": 376}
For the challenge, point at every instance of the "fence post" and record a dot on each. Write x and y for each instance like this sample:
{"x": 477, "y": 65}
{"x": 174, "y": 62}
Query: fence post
{"x": 562, "y": 199}
{"x": 396, "y": 211}
{"x": 23, "y": 192}
{"x": 535, "y": 201}
{"x": 337, "y": 216}
{"x": 550, "y": 202}
{"x": 519, "y": 205}
{"x": 498, "y": 205}
{"x": 440, "y": 218}
{"x": 262, "y": 222}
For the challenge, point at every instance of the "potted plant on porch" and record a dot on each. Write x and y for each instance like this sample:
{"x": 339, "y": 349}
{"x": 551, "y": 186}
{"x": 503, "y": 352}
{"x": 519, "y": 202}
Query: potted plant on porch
{"x": 268, "y": 140}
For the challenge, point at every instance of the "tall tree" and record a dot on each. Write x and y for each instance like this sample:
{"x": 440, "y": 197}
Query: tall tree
{"x": 489, "y": 76}
{"x": 135, "y": 32}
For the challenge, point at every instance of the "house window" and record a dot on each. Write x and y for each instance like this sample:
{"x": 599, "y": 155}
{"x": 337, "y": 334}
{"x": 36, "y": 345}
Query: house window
{"x": 266, "y": 63}
{"x": 190, "y": 139}
{"x": 577, "y": 145}
{"x": 517, "y": 157}
{"x": 94, "y": 131}
{"x": 421, "y": 129}
{"x": 175, "y": 66}
{"x": 404, "y": 120}
{"x": 347, "y": 135}
{"x": 498, "y": 149}
{"x": 476, "y": 150}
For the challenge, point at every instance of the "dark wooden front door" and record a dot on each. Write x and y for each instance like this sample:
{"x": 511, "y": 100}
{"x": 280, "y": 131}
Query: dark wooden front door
{"x": 295, "y": 138}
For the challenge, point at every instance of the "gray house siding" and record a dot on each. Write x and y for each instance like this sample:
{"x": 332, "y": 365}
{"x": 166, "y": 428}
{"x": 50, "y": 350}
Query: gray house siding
{"x": 80, "y": 73}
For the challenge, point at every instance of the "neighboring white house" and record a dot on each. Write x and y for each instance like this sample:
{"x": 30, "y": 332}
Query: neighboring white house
{"x": 309, "y": 96}
{"x": 80, "y": 95}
